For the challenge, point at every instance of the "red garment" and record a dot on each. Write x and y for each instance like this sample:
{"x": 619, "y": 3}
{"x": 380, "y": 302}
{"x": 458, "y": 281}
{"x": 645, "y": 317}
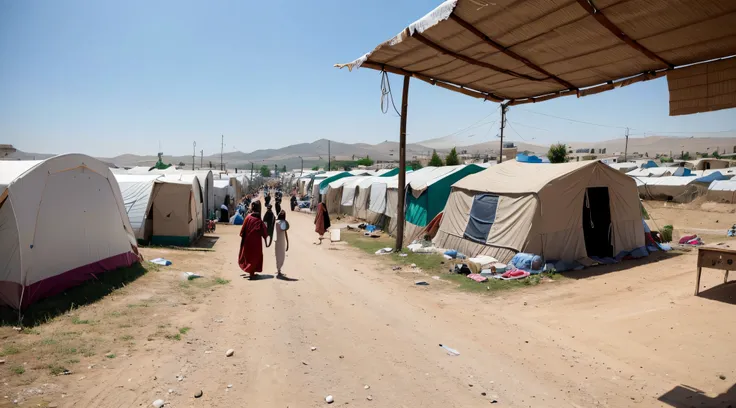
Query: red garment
{"x": 321, "y": 220}
{"x": 250, "y": 257}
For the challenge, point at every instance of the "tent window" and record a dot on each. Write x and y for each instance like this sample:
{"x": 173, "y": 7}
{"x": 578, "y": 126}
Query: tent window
{"x": 482, "y": 217}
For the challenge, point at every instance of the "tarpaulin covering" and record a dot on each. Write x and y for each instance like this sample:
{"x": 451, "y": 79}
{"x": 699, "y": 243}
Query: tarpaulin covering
{"x": 482, "y": 216}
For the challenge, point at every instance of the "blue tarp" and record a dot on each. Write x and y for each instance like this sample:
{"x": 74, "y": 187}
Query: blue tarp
{"x": 522, "y": 158}
{"x": 649, "y": 164}
{"x": 482, "y": 217}
{"x": 711, "y": 177}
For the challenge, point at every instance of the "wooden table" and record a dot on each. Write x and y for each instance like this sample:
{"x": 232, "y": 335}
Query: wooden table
{"x": 715, "y": 257}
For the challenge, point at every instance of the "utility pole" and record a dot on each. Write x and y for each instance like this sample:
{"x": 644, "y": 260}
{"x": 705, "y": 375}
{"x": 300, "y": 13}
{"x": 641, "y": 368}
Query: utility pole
{"x": 504, "y": 108}
{"x": 251, "y": 171}
{"x": 275, "y": 170}
{"x": 329, "y": 163}
{"x": 201, "y": 158}
{"x": 222, "y": 148}
{"x": 626, "y": 146}
{"x": 194, "y": 153}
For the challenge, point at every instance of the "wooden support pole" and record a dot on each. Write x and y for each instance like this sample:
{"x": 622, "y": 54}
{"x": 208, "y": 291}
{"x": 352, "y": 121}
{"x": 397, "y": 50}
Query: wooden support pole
{"x": 504, "y": 107}
{"x": 402, "y": 166}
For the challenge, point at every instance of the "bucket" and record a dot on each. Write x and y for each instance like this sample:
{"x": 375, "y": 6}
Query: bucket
{"x": 335, "y": 235}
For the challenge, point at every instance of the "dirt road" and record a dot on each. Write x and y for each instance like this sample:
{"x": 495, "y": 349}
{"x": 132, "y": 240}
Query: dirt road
{"x": 620, "y": 339}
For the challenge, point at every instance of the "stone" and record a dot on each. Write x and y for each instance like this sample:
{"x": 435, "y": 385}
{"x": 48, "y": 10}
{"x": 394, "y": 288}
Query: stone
{"x": 229, "y": 386}
{"x": 314, "y": 348}
{"x": 158, "y": 403}
{"x": 369, "y": 398}
{"x": 367, "y": 387}
{"x": 229, "y": 353}
{"x": 329, "y": 399}
{"x": 198, "y": 394}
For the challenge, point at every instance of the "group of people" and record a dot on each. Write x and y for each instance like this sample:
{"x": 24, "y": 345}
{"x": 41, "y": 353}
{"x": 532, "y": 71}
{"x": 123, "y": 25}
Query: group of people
{"x": 257, "y": 226}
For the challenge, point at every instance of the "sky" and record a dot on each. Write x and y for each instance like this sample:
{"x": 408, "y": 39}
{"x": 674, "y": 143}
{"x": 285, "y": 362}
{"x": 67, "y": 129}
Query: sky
{"x": 111, "y": 77}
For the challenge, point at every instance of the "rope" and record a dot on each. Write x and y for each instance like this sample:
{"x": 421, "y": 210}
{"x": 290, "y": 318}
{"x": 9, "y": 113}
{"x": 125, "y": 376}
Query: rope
{"x": 386, "y": 94}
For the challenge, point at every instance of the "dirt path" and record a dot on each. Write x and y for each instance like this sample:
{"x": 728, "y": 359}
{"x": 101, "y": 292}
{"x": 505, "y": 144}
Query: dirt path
{"x": 619, "y": 339}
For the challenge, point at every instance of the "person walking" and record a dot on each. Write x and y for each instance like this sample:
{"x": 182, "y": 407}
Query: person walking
{"x": 282, "y": 242}
{"x": 250, "y": 256}
{"x": 321, "y": 221}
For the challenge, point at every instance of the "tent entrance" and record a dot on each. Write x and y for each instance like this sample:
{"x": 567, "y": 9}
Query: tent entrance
{"x": 597, "y": 222}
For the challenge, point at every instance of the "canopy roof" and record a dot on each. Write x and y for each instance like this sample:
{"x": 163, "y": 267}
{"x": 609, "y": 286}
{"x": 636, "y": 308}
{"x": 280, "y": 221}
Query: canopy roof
{"x": 529, "y": 51}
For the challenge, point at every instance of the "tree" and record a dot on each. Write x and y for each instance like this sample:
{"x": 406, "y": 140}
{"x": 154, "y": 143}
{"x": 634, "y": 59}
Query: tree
{"x": 436, "y": 161}
{"x": 716, "y": 154}
{"x": 685, "y": 156}
{"x": 315, "y": 168}
{"x": 704, "y": 155}
{"x": 283, "y": 168}
{"x": 415, "y": 165}
{"x": 452, "y": 159}
{"x": 181, "y": 164}
{"x": 557, "y": 153}
{"x": 265, "y": 171}
{"x": 367, "y": 161}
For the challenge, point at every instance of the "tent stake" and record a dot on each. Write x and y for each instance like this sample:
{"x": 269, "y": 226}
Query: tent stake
{"x": 402, "y": 166}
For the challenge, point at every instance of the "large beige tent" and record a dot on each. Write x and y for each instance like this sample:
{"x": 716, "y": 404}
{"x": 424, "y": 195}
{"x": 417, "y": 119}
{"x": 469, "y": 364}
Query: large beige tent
{"x": 173, "y": 212}
{"x": 564, "y": 211}
{"x": 62, "y": 220}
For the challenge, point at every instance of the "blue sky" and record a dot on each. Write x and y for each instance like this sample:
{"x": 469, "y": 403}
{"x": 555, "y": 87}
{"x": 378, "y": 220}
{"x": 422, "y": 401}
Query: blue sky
{"x": 106, "y": 78}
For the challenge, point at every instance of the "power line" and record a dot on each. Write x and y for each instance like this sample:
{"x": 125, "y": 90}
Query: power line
{"x": 624, "y": 127}
{"x": 473, "y": 125}
{"x": 508, "y": 122}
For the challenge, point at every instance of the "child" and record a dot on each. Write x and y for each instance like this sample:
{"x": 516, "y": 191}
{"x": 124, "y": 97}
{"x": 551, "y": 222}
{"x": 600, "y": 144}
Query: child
{"x": 282, "y": 241}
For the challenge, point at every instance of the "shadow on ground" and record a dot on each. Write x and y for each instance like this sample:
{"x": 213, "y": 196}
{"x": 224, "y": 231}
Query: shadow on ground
{"x": 94, "y": 289}
{"x": 258, "y": 276}
{"x": 684, "y": 396}
{"x": 598, "y": 270}
{"x": 206, "y": 241}
{"x": 725, "y": 293}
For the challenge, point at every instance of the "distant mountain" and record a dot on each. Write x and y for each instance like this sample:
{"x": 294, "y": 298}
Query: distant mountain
{"x": 315, "y": 153}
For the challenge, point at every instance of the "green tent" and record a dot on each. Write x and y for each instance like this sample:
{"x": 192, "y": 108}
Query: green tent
{"x": 324, "y": 183}
{"x": 427, "y": 194}
{"x": 394, "y": 172}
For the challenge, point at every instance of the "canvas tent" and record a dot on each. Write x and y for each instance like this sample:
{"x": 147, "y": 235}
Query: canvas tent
{"x": 137, "y": 193}
{"x": 198, "y": 195}
{"x": 723, "y": 191}
{"x": 682, "y": 189}
{"x": 361, "y": 201}
{"x": 222, "y": 189}
{"x": 332, "y": 196}
{"x": 566, "y": 211}
{"x": 427, "y": 194}
{"x": 173, "y": 212}
{"x": 61, "y": 221}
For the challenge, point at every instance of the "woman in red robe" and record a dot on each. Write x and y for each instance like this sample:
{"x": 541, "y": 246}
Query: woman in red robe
{"x": 250, "y": 257}
{"x": 321, "y": 221}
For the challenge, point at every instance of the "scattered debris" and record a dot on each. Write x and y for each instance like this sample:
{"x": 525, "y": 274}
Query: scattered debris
{"x": 722, "y": 377}
{"x": 2, "y": 362}
{"x": 198, "y": 394}
{"x": 314, "y": 348}
{"x": 329, "y": 399}
{"x": 304, "y": 363}
{"x": 494, "y": 401}
{"x": 367, "y": 387}
{"x": 450, "y": 351}
{"x": 229, "y": 353}
{"x": 342, "y": 356}
{"x": 470, "y": 385}
{"x": 171, "y": 391}
{"x": 483, "y": 393}
{"x": 413, "y": 265}
{"x": 189, "y": 276}
{"x": 384, "y": 251}
{"x": 66, "y": 372}
{"x": 160, "y": 261}
{"x": 436, "y": 277}
{"x": 396, "y": 268}
{"x": 369, "y": 398}
{"x": 158, "y": 403}
{"x": 403, "y": 255}
{"x": 229, "y": 386}
{"x": 421, "y": 283}
{"x": 208, "y": 352}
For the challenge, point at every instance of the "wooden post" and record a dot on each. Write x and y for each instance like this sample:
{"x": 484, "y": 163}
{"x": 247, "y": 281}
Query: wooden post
{"x": 504, "y": 107}
{"x": 402, "y": 166}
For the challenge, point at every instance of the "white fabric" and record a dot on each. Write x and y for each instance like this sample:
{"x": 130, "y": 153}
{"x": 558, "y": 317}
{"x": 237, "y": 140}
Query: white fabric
{"x": 136, "y": 191}
{"x": 57, "y": 215}
{"x": 378, "y": 197}
{"x": 421, "y": 180}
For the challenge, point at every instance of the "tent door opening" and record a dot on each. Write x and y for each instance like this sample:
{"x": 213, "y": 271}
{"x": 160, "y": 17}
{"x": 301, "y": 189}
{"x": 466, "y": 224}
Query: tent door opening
{"x": 597, "y": 222}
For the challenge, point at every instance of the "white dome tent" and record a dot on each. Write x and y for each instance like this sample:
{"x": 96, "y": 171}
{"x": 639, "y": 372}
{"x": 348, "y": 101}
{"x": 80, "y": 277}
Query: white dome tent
{"x": 61, "y": 221}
